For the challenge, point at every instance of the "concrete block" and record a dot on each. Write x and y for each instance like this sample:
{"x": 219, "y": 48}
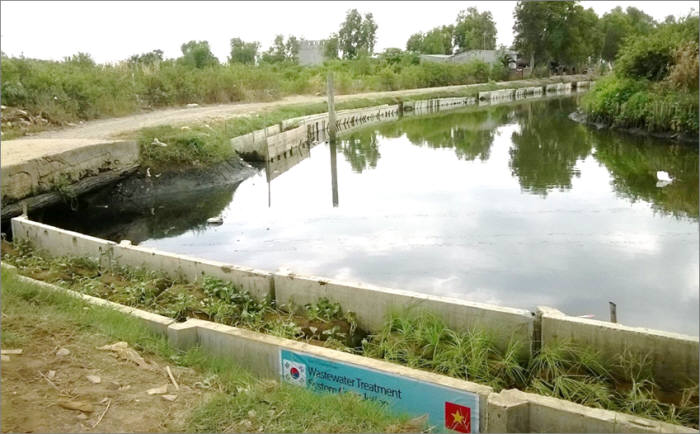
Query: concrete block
{"x": 373, "y": 304}
{"x": 674, "y": 357}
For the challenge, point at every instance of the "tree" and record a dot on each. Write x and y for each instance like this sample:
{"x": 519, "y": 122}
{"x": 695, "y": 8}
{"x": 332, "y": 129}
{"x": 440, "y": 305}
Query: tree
{"x": 617, "y": 25}
{"x": 357, "y": 36}
{"x": 368, "y": 34}
{"x": 438, "y": 41}
{"x": 475, "y": 31}
{"x": 292, "y": 49}
{"x": 198, "y": 54}
{"x": 560, "y": 32}
{"x": 435, "y": 41}
{"x": 415, "y": 43}
{"x": 330, "y": 47}
{"x": 243, "y": 52}
{"x": 529, "y": 28}
{"x": 281, "y": 51}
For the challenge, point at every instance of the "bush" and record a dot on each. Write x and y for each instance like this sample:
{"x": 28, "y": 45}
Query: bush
{"x": 654, "y": 85}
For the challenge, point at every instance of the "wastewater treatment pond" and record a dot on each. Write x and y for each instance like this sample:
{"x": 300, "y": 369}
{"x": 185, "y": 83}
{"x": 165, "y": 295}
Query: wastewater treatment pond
{"x": 511, "y": 204}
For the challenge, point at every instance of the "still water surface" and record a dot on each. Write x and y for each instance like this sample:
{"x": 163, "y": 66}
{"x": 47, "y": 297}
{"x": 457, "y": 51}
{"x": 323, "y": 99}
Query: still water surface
{"x": 514, "y": 205}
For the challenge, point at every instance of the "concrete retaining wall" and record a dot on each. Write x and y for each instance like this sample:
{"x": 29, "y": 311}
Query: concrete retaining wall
{"x": 373, "y": 304}
{"x": 25, "y": 178}
{"x": 673, "y": 357}
{"x": 507, "y": 411}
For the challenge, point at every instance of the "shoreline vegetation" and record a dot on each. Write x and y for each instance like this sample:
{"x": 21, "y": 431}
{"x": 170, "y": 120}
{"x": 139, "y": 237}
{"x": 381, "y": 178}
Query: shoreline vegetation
{"x": 654, "y": 84}
{"x": 415, "y": 339}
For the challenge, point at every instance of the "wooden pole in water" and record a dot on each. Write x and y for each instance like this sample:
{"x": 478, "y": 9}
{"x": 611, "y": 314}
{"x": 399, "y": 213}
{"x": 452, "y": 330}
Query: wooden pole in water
{"x": 331, "y": 140}
{"x": 331, "y": 109}
{"x": 613, "y": 312}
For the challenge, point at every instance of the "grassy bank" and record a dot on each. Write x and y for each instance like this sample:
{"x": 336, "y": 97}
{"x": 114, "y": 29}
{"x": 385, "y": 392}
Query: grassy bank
{"x": 237, "y": 402}
{"x": 414, "y": 339}
{"x": 654, "y": 84}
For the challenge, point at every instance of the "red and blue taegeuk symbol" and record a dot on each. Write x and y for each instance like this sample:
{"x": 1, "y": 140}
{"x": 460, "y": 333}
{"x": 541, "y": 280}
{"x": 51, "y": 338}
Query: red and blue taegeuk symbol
{"x": 294, "y": 372}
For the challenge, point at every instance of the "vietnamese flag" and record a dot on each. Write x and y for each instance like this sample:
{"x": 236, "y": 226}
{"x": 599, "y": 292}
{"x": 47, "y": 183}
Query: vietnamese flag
{"x": 458, "y": 417}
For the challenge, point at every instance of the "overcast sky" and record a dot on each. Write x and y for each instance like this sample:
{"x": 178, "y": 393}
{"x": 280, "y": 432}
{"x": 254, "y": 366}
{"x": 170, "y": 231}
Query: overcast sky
{"x": 113, "y": 31}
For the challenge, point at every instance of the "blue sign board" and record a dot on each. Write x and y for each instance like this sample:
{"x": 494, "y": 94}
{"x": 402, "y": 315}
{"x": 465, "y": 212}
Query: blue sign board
{"x": 449, "y": 410}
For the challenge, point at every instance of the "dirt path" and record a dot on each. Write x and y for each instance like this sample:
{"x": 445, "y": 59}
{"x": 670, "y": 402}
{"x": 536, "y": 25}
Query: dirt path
{"x": 91, "y": 132}
{"x": 37, "y": 384}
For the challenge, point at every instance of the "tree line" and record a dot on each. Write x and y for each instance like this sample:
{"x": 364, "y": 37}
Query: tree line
{"x": 545, "y": 34}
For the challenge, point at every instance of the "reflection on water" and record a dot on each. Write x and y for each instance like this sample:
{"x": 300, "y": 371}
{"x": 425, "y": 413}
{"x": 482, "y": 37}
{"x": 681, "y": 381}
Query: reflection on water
{"x": 167, "y": 216}
{"x": 546, "y": 149}
{"x": 512, "y": 204}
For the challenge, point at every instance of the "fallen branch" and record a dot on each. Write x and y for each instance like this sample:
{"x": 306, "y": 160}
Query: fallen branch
{"x": 50, "y": 382}
{"x": 170, "y": 374}
{"x": 103, "y": 414}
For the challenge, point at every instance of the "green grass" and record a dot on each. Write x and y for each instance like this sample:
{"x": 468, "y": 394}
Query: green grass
{"x": 413, "y": 338}
{"x": 240, "y": 402}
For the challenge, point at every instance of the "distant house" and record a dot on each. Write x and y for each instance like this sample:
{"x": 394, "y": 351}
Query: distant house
{"x": 310, "y": 52}
{"x": 486, "y": 56}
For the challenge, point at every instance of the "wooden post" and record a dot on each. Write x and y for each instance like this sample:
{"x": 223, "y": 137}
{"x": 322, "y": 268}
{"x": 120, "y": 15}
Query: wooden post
{"x": 613, "y": 312}
{"x": 331, "y": 109}
{"x": 334, "y": 174}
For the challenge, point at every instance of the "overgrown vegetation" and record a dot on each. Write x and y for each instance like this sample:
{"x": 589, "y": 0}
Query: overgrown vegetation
{"x": 562, "y": 370}
{"x": 654, "y": 86}
{"x": 237, "y": 400}
{"x": 78, "y": 89}
{"x": 416, "y": 339}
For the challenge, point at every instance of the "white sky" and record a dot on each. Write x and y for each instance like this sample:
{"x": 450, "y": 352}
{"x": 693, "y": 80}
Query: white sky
{"x": 113, "y": 31}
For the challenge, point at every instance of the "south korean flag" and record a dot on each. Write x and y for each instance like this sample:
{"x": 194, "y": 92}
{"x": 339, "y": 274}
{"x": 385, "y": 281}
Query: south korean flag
{"x": 294, "y": 373}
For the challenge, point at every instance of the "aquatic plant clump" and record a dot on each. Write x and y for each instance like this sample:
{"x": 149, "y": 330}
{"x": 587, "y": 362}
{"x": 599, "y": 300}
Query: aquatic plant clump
{"x": 416, "y": 339}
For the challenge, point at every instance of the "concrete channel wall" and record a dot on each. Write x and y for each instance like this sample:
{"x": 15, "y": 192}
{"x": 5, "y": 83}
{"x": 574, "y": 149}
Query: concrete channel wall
{"x": 674, "y": 357}
{"x": 508, "y": 411}
{"x": 277, "y": 141}
{"x": 373, "y": 304}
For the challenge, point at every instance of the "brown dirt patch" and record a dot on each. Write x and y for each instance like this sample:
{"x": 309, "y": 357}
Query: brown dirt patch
{"x": 31, "y": 404}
